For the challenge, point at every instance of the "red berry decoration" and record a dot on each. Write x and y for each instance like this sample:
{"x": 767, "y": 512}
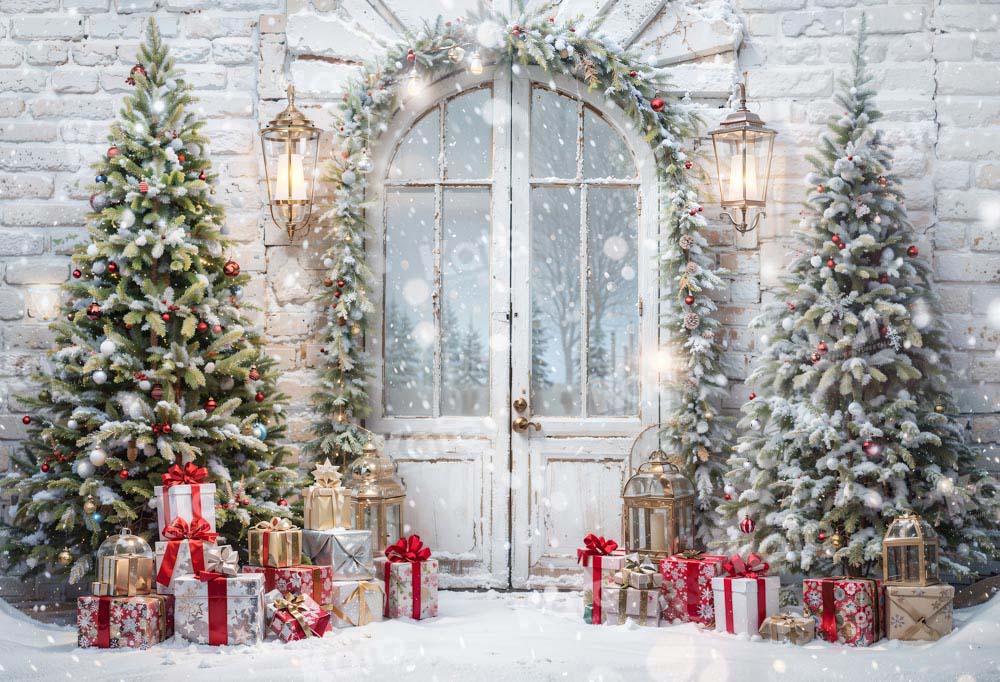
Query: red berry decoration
{"x": 883, "y": 278}
{"x": 822, "y": 347}
{"x": 166, "y": 428}
{"x": 254, "y": 375}
{"x": 820, "y": 188}
{"x": 143, "y": 186}
{"x": 259, "y": 397}
{"x": 882, "y": 331}
{"x": 165, "y": 317}
{"x": 821, "y": 536}
{"x": 728, "y": 496}
{"x": 410, "y": 57}
{"x": 202, "y": 176}
{"x": 747, "y": 525}
{"x": 632, "y": 74}
{"x": 180, "y": 158}
{"x": 210, "y": 405}
{"x": 26, "y": 419}
{"x": 337, "y": 293}
{"x": 156, "y": 393}
{"x": 791, "y": 306}
{"x": 687, "y": 165}
{"x": 231, "y": 268}
{"x": 830, "y": 262}
{"x": 841, "y": 246}
{"x": 835, "y": 239}
{"x": 112, "y": 152}
{"x": 123, "y": 474}
{"x": 689, "y": 299}
{"x": 657, "y": 104}
{"x": 282, "y": 502}
{"x": 94, "y": 311}
{"x": 77, "y": 274}
{"x": 341, "y": 282}
{"x": 752, "y": 396}
{"x": 203, "y": 326}
{"x": 45, "y": 468}
{"x": 217, "y": 329}
{"x": 913, "y": 251}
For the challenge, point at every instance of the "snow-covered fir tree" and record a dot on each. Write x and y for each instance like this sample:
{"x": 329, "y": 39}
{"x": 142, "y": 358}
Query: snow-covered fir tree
{"x": 155, "y": 361}
{"x": 853, "y": 421}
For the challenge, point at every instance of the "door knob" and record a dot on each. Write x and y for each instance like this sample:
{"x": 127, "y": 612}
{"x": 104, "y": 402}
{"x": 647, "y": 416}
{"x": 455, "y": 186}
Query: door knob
{"x": 522, "y": 424}
{"x": 520, "y": 405}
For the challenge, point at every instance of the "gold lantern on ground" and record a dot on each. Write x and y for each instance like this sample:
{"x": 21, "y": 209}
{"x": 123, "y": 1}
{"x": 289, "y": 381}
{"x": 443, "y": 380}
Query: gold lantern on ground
{"x": 291, "y": 145}
{"x": 658, "y": 508}
{"x": 377, "y": 495}
{"x": 910, "y": 552}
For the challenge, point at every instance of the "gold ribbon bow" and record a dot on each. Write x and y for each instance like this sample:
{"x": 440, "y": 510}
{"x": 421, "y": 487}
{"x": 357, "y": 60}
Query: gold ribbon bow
{"x": 327, "y": 475}
{"x": 294, "y": 605}
{"x": 222, "y": 559}
{"x": 795, "y": 624}
{"x": 364, "y": 613}
{"x": 276, "y": 524}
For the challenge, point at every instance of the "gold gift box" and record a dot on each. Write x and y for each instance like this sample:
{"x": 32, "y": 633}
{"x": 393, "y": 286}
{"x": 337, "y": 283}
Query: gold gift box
{"x": 783, "y": 627}
{"x": 325, "y": 508}
{"x": 919, "y": 612}
{"x": 123, "y": 575}
{"x": 275, "y": 548}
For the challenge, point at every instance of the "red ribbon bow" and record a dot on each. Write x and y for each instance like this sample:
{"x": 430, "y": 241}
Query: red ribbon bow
{"x": 198, "y": 529}
{"x": 190, "y": 474}
{"x": 753, "y": 567}
{"x": 597, "y": 545}
{"x": 408, "y": 549}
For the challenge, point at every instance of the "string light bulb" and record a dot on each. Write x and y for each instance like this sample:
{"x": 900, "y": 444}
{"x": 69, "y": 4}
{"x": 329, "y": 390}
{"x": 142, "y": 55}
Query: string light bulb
{"x": 476, "y": 63}
{"x": 413, "y": 86}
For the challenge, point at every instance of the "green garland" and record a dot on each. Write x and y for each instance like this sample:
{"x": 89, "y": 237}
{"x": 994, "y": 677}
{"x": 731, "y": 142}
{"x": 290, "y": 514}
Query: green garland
{"x": 580, "y": 52}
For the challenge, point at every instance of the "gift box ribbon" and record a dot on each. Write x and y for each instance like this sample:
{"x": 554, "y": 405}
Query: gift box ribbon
{"x": 179, "y": 531}
{"x": 190, "y": 474}
{"x": 753, "y": 567}
{"x": 828, "y": 621}
{"x": 623, "y": 606}
{"x": 407, "y": 550}
{"x": 323, "y": 508}
{"x": 295, "y": 605}
{"x": 796, "y": 627}
{"x": 124, "y": 575}
{"x": 357, "y": 565}
{"x": 595, "y": 545}
{"x": 218, "y": 597}
{"x": 364, "y": 613}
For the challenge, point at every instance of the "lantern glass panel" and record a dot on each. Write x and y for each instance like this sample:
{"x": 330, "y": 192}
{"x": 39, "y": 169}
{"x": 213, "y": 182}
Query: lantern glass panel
{"x": 393, "y": 522}
{"x": 290, "y": 167}
{"x": 649, "y": 529}
{"x": 931, "y": 562}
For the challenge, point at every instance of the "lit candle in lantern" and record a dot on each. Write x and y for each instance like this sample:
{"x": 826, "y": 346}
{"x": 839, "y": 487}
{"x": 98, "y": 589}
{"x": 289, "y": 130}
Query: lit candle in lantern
{"x": 291, "y": 183}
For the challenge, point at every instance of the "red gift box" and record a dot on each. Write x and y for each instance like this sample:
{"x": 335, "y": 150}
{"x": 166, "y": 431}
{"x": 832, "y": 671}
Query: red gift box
{"x": 314, "y": 581}
{"x": 134, "y": 622}
{"x": 687, "y": 587}
{"x": 847, "y": 610}
{"x": 296, "y": 616}
{"x": 602, "y": 558}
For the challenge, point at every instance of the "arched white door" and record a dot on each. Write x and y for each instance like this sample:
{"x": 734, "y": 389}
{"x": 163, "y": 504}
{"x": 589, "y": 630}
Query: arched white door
{"x": 515, "y": 221}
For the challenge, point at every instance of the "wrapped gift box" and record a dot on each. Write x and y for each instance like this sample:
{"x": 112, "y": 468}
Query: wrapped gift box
{"x": 356, "y": 603}
{"x": 687, "y": 587}
{"x": 179, "y": 558}
{"x": 639, "y": 574}
{"x": 294, "y": 617}
{"x": 601, "y": 560}
{"x": 276, "y": 543}
{"x": 123, "y": 575}
{"x": 185, "y": 495}
{"x": 315, "y": 581}
{"x": 326, "y": 508}
{"x": 846, "y": 610}
{"x": 134, "y": 622}
{"x": 349, "y": 552}
{"x": 622, "y": 603}
{"x": 919, "y": 613}
{"x": 411, "y": 588}
{"x": 223, "y": 610}
{"x": 742, "y": 604}
{"x": 784, "y": 627}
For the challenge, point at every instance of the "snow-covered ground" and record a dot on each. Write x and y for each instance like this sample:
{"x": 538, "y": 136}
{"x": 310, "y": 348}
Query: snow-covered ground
{"x": 522, "y": 636}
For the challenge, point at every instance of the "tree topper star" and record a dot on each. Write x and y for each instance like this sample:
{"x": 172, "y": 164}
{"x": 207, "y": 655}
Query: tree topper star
{"x": 327, "y": 475}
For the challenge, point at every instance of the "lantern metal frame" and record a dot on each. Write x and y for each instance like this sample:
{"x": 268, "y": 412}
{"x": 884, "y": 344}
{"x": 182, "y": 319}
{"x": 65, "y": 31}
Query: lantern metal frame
{"x": 375, "y": 484}
{"x": 744, "y": 124}
{"x": 925, "y": 543}
{"x": 289, "y": 128}
{"x": 677, "y": 506}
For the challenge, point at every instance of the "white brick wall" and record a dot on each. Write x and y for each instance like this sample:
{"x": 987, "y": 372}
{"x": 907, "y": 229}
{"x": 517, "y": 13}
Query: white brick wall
{"x": 63, "y": 65}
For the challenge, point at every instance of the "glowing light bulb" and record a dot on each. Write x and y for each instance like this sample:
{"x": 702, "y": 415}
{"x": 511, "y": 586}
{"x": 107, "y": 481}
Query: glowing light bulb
{"x": 476, "y": 63}
{"x": 738, "y": 183}
{"x": 413, "y": 86}
{"x": 291, "y": 182}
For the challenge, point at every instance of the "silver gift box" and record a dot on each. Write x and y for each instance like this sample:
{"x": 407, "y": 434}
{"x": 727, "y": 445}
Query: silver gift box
{"x": 348, "y": 551}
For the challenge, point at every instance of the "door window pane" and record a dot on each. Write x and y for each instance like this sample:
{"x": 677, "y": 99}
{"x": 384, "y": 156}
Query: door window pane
{"x": 555, "y": 301}
{"x": 410, "y": 333}
{"x": 417, "y": 156}
{"x": 468, "y": 148}
{"x": 554, "y": 124}
{"x": 612, "y": 298}
{"x": 465, "y": 310}
{"x": 605, "y": 154}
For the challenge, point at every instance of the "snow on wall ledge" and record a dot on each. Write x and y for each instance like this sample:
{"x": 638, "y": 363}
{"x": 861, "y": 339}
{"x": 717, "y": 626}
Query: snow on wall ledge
{"x": 62, "y": 69}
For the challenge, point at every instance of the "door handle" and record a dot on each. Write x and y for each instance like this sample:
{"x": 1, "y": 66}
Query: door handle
{"x": 522, "y": 424}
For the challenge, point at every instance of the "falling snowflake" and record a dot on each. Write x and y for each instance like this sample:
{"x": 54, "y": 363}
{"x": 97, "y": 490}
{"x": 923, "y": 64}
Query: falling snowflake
{"x": 892, "y": 335}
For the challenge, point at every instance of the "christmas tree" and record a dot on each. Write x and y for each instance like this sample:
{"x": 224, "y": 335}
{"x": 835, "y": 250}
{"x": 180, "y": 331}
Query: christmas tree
{"x": 155, "y": 361}
{"x": 853, "y": 423}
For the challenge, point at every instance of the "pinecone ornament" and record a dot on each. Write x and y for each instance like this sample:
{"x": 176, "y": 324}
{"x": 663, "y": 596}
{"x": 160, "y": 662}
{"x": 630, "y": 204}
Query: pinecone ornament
{"x": 691, "y": 321}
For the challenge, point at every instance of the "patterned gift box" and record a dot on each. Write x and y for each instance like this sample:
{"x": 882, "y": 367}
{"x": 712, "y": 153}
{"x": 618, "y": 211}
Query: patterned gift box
{"x": 622, "y": 603}
{"x": 687, "y": 587}
{"x": 743, "y": 603}
{"x": 315, "y": 581}
{"x": 184, "y": 495}
{"x": 356, "y": 603}
{"x": 601, "y": 560}
{"x": 846, "y": 610}
{"x": 919, "y": 613}
{"x": 785, "y": 627}
{"x": 134, "y": 622}
{"x": 276, "y": 543}
{"x": 349, "y": 552}
{"x": 124, "y": 575}
{"x": 174, "y": 560}
{"x": 294, "y": 617}
{"x": 222, "y": 610}
{"x": 410, "y": 578}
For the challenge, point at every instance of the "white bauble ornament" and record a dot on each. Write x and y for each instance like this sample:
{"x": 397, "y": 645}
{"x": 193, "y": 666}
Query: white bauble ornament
{"x": 108, "y": 348}
{"x": 787, "y": 324}
{"x": 791, "y": 556}
{"x": 84, "y": 469}
{"x": 832, "y": 463}
{"x": 815, "y": 261}
{"x": 177, "y": 144}
{"x": 144, "y": 385}
{"x": 135, "y": 410}
{"x": 327, "y": 263}
{"x": 227, "y": 383}
{"x": 348, "y": 177}
{"x": 72, "y": 424}
{"x": 755, "y": 424}
{"x": 31, "y": 562}
{"x": 92, "y": 250}
{"x": 277, "y": 409}
{"x": 100, "y": 377}
{"x": 729, "y": 489}
{"x": 98, "y": 267}
{"x": 149, "y": 450}
{"x": 127, "y": 219}
{"x": 209, "y": 367}
{"x": 98, "y": 457}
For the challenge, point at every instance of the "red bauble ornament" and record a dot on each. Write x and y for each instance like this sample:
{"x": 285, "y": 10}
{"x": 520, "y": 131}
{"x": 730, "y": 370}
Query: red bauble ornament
{"x": 112, "y": 152}
{"x": 752, "y": 396}
{"x": 123, "y": 474}
{"x": 341, "y": 282}
{"x": 883, "y": 278}
{"x": 26, "y": 419}
{"x": 689, "y": 299}
{"x": 210, "y": 405}
{"x": 143, "y": 186}
{"x": 728, "y": 496}
{"x": 821, "y": 536}
{"x": 254, "y": 375}
{"x": 245, "y": 501}
{"x": 203, "y": 326}
{"x": 165, "y": 317}
{"x": 180, "y": 158}
{"x": 337, "y": 293}
{"x": 835, "y": 239}
{"x": 231, "y": 268}
{"x": 867, "y": 444}
{"x": 632, "y": 74}
{"x": 45, "y": 468}
{"x": 282, "y": 502}
{"x": 820, "y": 188}
{"x": 259, "y": 397}
{"x": 77, "y": 274}
{"x": 217, "y": 329}
{"x": 830, "y": 263}
{"x": 657, "y": 104}
{"x": 410, "y": 57}
{"x": 687, "y": 165}
{"x": 747, "y": 525}
{"x": 156, "y": 393}
{"x": 94, "y": 311}
{"x": 822, "y": 347}
{"x": 166, "y": 428}
{"x": 112, "y": 267}
{"x": 913, "y": 251}
{"x": 816, "y": 357}
{"x": 202, "y": 176}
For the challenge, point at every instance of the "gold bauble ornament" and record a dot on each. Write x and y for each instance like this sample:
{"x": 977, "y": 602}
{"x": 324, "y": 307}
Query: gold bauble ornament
{"x": 64, "y": 558}
{"x": 90, "y": 505}
{"x": 939, "y": 409}
{"x": 709, "y": 416}
{"x": 836, "y": 541}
